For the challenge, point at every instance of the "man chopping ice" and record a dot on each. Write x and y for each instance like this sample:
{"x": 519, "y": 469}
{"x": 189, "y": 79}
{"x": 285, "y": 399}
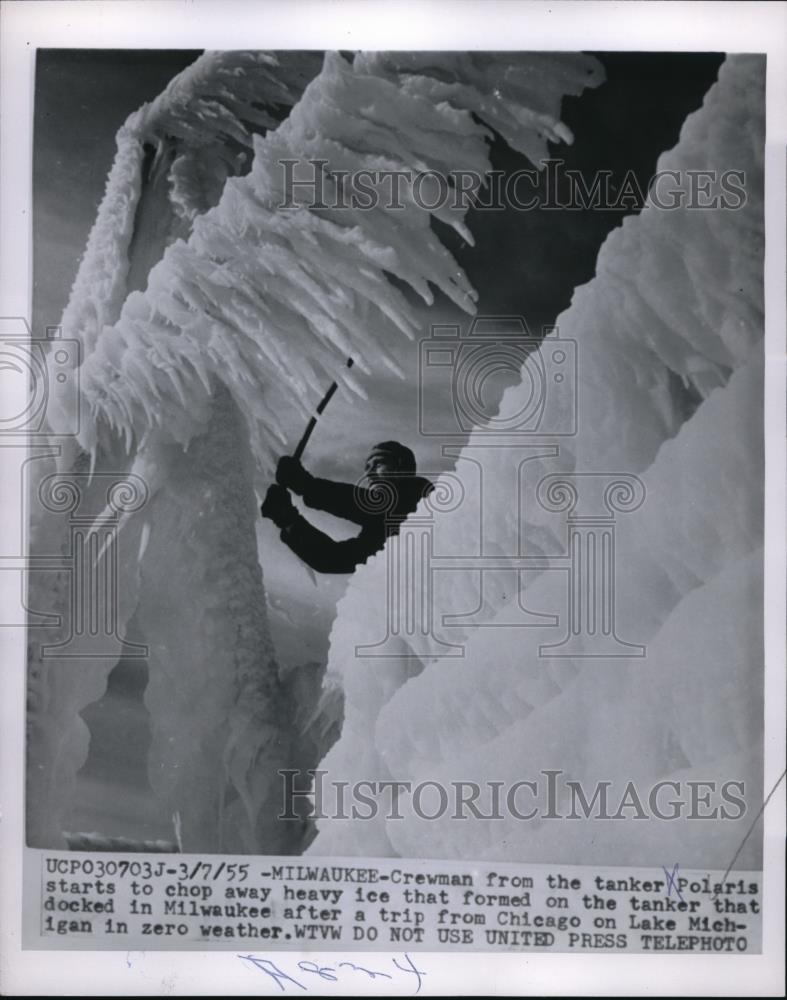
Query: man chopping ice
{"x": 390, "y": 491}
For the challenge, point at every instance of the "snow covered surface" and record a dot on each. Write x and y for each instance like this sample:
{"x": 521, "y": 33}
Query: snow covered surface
{"x": 669, "y": 372}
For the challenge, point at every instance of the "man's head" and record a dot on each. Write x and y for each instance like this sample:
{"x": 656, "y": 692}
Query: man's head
{"x": 389, "y": 458}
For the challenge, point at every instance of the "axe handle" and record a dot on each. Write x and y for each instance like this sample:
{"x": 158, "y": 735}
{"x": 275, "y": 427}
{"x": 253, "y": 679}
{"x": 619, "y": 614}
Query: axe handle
{"x": 313, "y": 421}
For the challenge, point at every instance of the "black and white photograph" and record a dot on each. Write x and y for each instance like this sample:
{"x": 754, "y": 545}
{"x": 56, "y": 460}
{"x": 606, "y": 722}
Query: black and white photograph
{"x": 391, "y": 559}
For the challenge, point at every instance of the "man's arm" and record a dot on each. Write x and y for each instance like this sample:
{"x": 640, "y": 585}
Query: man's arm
{"x": 319, "y": 551}
{"x": 310, "y": 545}
{"x": 340, "y": 499}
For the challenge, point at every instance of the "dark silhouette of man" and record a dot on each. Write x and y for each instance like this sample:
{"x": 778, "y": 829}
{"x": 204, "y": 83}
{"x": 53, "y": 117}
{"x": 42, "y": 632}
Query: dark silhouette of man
{"x": 389, "y": 492}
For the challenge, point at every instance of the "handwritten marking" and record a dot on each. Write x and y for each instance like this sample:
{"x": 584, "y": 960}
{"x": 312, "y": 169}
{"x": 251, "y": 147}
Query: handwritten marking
{"x": 671, "y": 883}
{"x": 324, "y": 971}
{"x": 753, "y": 824}
{"x": 329, "y": 972}
{"x": 270, "y": 968}
{"x": 412, "y": 969}
{"x": 360, "y": 968}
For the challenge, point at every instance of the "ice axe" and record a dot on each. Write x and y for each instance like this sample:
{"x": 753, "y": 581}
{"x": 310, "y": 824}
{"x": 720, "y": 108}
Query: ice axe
{"x": 318, "y": 413}
{"x": 308, "y": 433}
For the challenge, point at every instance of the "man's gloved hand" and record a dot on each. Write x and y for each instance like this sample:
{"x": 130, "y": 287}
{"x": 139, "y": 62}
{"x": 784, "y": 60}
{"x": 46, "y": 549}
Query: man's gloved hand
{"x": 290, "y": 473}
{"x": 278, "y": 507}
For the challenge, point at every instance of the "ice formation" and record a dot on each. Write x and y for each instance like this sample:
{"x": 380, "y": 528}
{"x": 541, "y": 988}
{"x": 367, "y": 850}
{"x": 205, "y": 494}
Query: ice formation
{"x": 259, "y": 293}
{"x": 178, "y": 151}
{"x": 669, "y": 373}
{"x": 206, "y": 314}
{"x": 205, "y": 118}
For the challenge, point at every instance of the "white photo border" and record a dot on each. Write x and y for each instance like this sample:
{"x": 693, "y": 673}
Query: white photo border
{"x": 428, "y": 24}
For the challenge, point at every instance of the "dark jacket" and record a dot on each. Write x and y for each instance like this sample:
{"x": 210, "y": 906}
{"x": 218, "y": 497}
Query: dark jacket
{"x": 378, "y": 511}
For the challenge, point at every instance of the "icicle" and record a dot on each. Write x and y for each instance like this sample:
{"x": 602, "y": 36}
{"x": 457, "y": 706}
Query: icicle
{"x": 143, "y": 541}
{"x": 295, "y": 283}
